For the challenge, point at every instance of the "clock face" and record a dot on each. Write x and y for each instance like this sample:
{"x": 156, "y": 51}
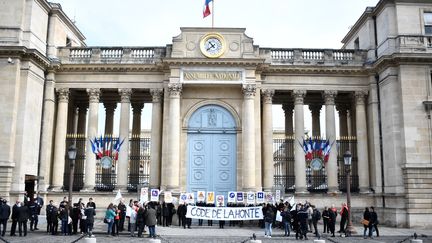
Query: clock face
{"x": 213, "y": 45}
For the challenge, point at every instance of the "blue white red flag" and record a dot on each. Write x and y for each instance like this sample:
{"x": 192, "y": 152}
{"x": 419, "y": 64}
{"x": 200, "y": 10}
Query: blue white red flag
{"x": 206, "y": 11}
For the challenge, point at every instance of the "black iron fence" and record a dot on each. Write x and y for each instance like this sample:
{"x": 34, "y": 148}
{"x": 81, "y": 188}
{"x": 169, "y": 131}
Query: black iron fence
{"x": 316, "y": 179}
{"x": 106, "y": 178}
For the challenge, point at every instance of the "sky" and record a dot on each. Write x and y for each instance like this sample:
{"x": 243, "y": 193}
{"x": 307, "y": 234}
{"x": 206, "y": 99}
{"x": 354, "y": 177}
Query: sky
{"x": 271, "y": 23}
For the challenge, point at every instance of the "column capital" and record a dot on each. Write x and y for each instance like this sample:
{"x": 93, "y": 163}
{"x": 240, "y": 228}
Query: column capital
{"x": 360, "y": 97}
{"x": 156, "y": 95}
{"x": 63, "y": 95}
{"x": 175, "y": 89}
{"x": 94, "y": 95}
{"x": 315, "y": 108}
{"x": 288, "y": 108}
{"x": 329, "y": 97}
{"x": 137, "y": 107}
{"x": 110, "y": 106}
{"x": 299, "y": 95}
{"x": 249, "y": 90}
{"x": 267, "y": 95}
{"x": 125, "y": 95}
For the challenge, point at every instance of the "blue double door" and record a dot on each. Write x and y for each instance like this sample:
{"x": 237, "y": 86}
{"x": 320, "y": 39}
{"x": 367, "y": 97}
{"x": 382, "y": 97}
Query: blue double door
{"x": 212, "y": 152}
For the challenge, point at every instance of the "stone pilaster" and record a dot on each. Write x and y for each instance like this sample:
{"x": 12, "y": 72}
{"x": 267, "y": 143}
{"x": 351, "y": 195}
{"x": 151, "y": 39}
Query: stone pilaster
{"x": 47, "y": 133}
{"x": 316, "y": 127}
{"x": 156, "y": 138}
{"x": 173, "y": 168}
{"x": 109, "y": 117}
{"x": 331, "y": 167}
{"x": 299, "y": 156}
{"x": 267, "y": 135}
{"x": 248, "y": 134}
{"x": 123, "y": 160}
{"x": 92, "y": 129}
{"x": 362, "y": 147}
{"x": 60, "y": 139}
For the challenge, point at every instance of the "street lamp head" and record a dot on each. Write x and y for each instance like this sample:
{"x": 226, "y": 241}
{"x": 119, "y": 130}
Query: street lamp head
{"x": 72, "y": 151}
{"x": 347, "y": 158}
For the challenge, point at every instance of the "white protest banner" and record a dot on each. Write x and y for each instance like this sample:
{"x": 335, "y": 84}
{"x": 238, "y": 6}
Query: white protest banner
{"x": 154, "y": 195}
{"x": 183, "y": 198}
{"x": 220, "y": 200}
{"x": 144, "y": 194}
{"x": 224, "y": 213}
{"x": 210, "y": 197}
{"x": 231, "y": 197}
{"x": 250, "y": 198}
{"x": 278, "y": 195}
{"x": 200, "y": 196}
{"x": 260, "y": 197}
{"x": 278, "y": 216}
{"x": 168, "y": 197}
{"x": 190, "y": 197}
{"x": 240, "y": 198}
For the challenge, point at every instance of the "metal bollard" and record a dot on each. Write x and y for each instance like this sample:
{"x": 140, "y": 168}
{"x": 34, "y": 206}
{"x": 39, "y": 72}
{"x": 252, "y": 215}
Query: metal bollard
{"x": 417, "y": 241}
{"x": 90, "y": 240}
{"x": 319, "y": 241}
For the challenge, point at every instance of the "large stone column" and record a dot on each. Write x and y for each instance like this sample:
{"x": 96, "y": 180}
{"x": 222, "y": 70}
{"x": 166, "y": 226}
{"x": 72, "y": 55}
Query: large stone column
{"x": 173, "y": 168}
{"x": 47, "y": 133}
{"x": 134, "y": 164}
{"x": 343, "y": 119}
{"x": 267, "y": 134}
{"x": 123, "y": 160}
{"x": 92, "y": 129}
{"x": 109, "y": 117}
{"x": 299, "y": 156}
{"x": 289, "y": 128}
{"x": 316, "y": 127}
{"x": 156, "y": 138}
{"x": 248, "y": 134}
{"x": 362, "y": 147}
{"x": 331, "y": 167}
{"x": 60, "y": 139}
{"x": 82, "y": 118}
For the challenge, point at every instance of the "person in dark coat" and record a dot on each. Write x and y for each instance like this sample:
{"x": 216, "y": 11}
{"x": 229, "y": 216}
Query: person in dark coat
{"x": 316, "y": 216}
{"x": 23, "y": 217}
{"x": 269, "y": 217}
{"x": 5, "y": 212}
{"x": 122, "y": 215}
{"x": 165, "y": 214}
{"x": 14, "y": 217}
{"x": 172, "y": 211}
{"x": 158, "y": 213}
{"x": 302, "y": 215}
{"x": 64, "y": 217}
{"x": 49, "y": 211}
{"x": 286, "y": 220}
{"x": 75, "y": 215}
{"x": 151, "y": 220}
{"x": 373, "y": 223}
{"x": 325, "y": 217}
{"x": 181, "y": 211}
{"x": 89, "y": 212}
{"x": 366, "y": 216}
{"x": 332, "y": 221}
{"x": 344, "y": 218}
{"x": 54, "y": 217}
{"x": 34, "y": 209}
{"x": 140, "y": 220}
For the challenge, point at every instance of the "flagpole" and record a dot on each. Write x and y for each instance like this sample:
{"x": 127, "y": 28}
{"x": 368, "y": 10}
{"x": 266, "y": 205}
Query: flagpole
{"x": 213, "y": 13}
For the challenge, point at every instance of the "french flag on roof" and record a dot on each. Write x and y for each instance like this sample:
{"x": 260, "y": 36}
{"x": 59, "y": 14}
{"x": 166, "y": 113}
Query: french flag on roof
{"x": 206, "y": 11}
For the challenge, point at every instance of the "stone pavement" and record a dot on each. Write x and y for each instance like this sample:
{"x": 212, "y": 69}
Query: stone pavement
{"x": 175, "y": 234}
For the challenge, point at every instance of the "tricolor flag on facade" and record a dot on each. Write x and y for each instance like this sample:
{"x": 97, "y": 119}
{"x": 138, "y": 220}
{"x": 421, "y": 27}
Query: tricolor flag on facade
{"x": 206, "y": 11}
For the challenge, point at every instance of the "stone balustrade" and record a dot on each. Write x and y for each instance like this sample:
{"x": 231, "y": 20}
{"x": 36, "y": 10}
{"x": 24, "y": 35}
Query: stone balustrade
{"x": 314, "y": 56}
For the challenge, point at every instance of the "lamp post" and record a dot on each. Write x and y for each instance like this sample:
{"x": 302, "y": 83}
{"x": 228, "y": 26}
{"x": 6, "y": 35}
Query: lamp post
{"x": 72, "y": 151}
{"x": 347, "y": 161}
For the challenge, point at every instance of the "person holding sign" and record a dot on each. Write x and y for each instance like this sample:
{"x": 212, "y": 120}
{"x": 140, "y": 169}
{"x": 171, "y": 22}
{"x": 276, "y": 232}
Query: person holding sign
{"x": 269, "y": 217}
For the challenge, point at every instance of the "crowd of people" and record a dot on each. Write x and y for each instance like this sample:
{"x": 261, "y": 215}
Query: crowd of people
{"x": 68, "y": 218}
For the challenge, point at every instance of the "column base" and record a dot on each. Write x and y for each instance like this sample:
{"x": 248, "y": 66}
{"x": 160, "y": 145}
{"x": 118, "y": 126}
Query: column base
{"x": 301, "y": 190}
{"x": 88, "y": 189}
{"x": 364, "y": 190}
{"x": 56, "y": 189}
{"x": 333, "y": 190}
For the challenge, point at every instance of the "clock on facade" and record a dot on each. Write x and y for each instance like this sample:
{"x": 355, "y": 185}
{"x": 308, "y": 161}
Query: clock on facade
{"x": 213, "y": 45}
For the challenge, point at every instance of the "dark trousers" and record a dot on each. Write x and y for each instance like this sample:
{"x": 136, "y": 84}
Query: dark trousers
{"x": 164, "y": 221}
{"x": 3, "y": 222}
{"x": 22, "y": 225}
{"x": 221, "y": 224}
{"x": 373, "y": 227}
{"x": 209, "y": 222}
{"x": 152, "y": 231}
{"x": 122, "y": 221}
{"x": 33, "y": 221}
{"x": 188, "y": 222}
{"x": 54, "y": 227}
{"x": 200, "y": 222}
{"x": 326, "y": 227}
{"x": 83, "y": 226}
{"x": 49, "y": 224}
{"x": 332, "y": 226}
{"x": 140, "y": 227}
{"x": 183, "y": 221}
{"x": 74, "y": 226}
{"x": 342, "y": 225}
{"x": 315, "y": 227}
{"x": 89, "y": 229}
{"x": 13, "y": 227}
{"x": 115, "y": 227}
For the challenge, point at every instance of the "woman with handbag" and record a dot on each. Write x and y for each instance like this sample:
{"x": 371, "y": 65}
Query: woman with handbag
{"x": 109, "y": 217}
{"x": 365, "y": 221}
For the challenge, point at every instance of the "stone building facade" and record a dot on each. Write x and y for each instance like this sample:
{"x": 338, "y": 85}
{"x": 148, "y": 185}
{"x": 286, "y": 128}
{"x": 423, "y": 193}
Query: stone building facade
{"x": 212, "y": 92}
